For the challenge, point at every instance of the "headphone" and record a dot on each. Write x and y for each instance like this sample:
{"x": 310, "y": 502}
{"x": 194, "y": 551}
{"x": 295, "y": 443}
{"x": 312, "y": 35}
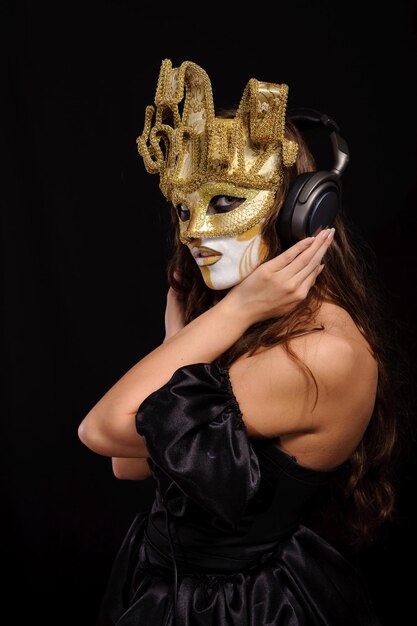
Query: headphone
{"x": 314, "y": 198}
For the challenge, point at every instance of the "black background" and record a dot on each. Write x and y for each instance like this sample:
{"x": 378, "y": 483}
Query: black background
{"x": 84, "y": 245}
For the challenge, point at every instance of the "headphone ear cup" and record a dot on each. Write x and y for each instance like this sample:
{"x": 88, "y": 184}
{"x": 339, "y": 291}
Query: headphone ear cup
{"x": 311, "y": 205}
{"x": 285, "y": 215}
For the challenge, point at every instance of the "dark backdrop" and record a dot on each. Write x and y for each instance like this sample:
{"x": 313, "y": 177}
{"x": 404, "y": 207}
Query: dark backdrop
{"x": 84, "y": 245}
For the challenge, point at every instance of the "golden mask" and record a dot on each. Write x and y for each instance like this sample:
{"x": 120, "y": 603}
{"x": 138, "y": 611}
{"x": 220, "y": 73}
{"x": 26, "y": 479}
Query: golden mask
{"x": 199, "y": 156}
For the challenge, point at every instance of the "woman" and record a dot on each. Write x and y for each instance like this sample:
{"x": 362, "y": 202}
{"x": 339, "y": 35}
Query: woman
{"x": 244, "y": 449}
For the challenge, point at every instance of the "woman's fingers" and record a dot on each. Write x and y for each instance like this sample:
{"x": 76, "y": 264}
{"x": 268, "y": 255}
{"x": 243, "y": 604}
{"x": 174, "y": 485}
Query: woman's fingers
{"x": 309, "y": 258}
{"x": 288, "y": 256}
{"x": 297, "y": 256}
{"x": 314, "y": 259}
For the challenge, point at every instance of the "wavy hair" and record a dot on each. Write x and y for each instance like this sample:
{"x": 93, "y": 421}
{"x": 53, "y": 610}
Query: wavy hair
{"x": 364, "y": 497}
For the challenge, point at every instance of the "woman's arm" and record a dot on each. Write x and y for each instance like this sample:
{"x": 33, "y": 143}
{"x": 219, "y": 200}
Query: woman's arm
{"x": 131, "y": 469}
{"x": 109, "y": 428}
{"x": 271, "y": 290}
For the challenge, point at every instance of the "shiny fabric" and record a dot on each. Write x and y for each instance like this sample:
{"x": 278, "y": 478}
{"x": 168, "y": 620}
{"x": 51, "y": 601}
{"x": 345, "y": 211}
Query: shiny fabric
{"x": 224, "y": 542}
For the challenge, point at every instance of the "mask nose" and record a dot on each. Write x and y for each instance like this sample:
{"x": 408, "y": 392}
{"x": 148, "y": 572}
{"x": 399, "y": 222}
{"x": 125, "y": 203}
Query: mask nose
{"x": 195, "y": 227}
{"x": 185, "y": 238}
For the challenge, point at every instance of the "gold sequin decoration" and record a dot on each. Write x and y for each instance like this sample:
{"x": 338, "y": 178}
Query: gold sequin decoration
{"x": 248, "y": 151}
{"x": 235, "y": 222}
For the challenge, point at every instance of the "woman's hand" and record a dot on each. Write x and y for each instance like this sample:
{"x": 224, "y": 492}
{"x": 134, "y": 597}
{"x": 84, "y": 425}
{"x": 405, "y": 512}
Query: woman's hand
{"x": 277, "y": 286}
{"x": 174, "y": 314}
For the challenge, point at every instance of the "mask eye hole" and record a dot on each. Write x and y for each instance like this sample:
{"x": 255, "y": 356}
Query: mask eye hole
{"x": 223, "y": 204}
{"x": 182, "y": 212}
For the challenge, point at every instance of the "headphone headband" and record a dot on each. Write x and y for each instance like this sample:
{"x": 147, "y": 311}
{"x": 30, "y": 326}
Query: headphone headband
{"x": 301, "y": 114}
{"x": 311, "y": 118}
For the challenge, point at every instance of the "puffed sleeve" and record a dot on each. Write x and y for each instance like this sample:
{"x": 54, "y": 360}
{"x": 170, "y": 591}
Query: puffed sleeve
{"x": 194, "y": 432}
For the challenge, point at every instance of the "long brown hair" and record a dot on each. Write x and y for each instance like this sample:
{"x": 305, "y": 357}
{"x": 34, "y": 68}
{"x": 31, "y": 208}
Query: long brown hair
{"x": 364, "y": 497}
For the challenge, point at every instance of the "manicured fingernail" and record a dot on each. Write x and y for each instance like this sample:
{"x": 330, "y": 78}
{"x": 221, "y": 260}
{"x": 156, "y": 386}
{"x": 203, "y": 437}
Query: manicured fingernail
{"x": 325, "y": 233}
{"x": 330, "y": 235}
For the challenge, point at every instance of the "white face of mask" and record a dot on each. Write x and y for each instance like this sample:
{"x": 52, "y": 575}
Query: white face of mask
{"x": 237, "y": 257}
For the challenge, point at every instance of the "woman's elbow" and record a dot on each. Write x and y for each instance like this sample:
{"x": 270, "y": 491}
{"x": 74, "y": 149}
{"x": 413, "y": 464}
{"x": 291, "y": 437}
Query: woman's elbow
{"x": 90, "y": 435}
{"x": 111, "y": 436}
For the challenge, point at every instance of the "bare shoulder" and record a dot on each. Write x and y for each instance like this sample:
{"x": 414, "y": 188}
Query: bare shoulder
{"x": 340, "y": 344}
{"x": 278, "y": 398}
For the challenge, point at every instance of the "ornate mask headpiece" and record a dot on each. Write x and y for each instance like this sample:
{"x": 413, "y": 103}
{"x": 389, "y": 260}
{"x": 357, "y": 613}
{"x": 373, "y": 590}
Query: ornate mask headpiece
{"x": 199, "y": 156}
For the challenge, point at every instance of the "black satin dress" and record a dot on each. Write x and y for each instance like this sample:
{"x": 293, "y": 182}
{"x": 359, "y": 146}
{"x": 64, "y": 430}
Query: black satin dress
{"x": 224, "y": 542}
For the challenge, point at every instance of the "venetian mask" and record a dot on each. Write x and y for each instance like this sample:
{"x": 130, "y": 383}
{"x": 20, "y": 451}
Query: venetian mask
{"x": 223, "y": 173}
